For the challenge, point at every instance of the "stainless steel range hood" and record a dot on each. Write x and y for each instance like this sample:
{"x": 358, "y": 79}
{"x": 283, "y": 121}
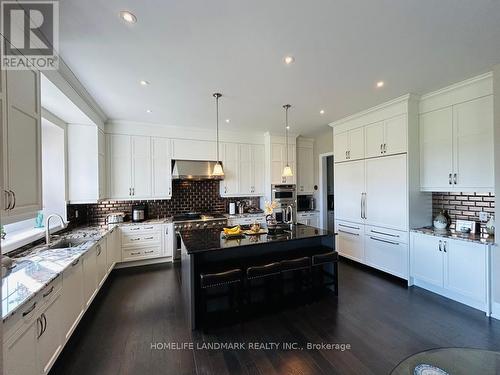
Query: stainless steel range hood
{"x": 194, "y": 170}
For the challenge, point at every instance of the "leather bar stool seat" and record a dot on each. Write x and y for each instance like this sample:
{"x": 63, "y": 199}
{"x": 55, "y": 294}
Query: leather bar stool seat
{"x": 208, "y": 280}
{"x": 297, "y": 264}
{"x": 325, "y": 258}
{"x": 296, "y": 272}
{"x": 265, "y": 277}
{"x": 267, "y": 270}
{"x": 325, "y": 277}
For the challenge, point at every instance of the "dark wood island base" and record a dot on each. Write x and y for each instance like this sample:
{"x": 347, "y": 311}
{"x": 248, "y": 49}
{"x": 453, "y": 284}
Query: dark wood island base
{"x": 208, "y": 252}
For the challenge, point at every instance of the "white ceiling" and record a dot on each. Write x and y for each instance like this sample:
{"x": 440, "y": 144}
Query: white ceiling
{"x": 189, "y": 49}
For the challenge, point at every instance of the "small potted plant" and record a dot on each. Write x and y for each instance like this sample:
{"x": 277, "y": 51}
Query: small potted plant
{"x": 270, "y": 220}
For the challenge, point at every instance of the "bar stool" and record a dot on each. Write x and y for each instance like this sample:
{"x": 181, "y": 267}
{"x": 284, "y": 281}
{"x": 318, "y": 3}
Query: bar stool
{"x": 231, "y": 280}
{"x": 269, "y": 277}
{"x": 318, "y": 269}
{"x": 300, "y": 269}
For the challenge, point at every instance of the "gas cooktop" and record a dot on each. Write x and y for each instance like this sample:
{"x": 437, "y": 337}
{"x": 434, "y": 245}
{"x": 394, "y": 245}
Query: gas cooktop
{"x": 196, "y": 220}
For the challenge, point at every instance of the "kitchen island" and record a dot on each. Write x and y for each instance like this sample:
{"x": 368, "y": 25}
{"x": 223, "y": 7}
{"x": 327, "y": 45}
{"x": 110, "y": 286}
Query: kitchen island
{"x": 207, "y": 250}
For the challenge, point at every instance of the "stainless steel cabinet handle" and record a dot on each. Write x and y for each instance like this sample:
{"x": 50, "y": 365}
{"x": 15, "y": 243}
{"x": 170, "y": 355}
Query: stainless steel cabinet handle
{"x": 44, "y": 323}
{"x": 30, "y": 309}
{"x": 49, "y": 292}
{"x": 381, "y": 148}
{"x": 385, "y": 148}
{"x": 348, "y": 226}
{"x": 381, "y": 240}
{"x": 440, "y": 242}
{"x": 133, "y": 191}
{"x": 6, "y": 200}
{"x": 136, "y": 228}
{"x": 385, "y": 234}
{"x": 137, "y": 253}
{"x": 346, "y": 154}
{"x": 99, "y": 250}
{"x": 454, "y": 181}
{"x": 13, "y": 202}
{"x": 39, "y": 326}
{"x": 129, "y": 191}
{"x": 449, "y": 179}
{"x": 149, "y": 238}
{"x": 361, "y": 214}
{"x": 149, "y": 252}
{"x": 352, "y": 234}
{"x": 135, "y": 239}
{"x": 444, "y": 246}
{"x": 75, "y": 262}
{"x": 149, "y": 227}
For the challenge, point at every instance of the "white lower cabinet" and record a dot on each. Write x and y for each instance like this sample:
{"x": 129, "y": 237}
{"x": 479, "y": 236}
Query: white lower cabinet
{"x": 146, "y": 241}
{"x": 308, "y": 218}
{"x": 72, "y": 298}
{"x": 456, "y": 269}
{"x": 50, "y": 340}
{"x": 20, "y": 350}
{"x": 387, "y": 255}
{"x": 349, "y": 241}
{"x": 248, "y": 220}
{"x": 102, "y": 265}
{"x": 89, "y": 261}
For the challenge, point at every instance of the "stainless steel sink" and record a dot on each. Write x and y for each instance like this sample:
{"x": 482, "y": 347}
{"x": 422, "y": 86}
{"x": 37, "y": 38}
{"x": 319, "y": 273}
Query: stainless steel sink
{"x": 66, "y": 243}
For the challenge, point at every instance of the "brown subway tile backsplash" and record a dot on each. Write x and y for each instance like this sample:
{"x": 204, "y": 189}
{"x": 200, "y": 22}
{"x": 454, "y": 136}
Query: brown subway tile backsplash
{"x": 464, "y": 206}
{"x": 187, "y": 196}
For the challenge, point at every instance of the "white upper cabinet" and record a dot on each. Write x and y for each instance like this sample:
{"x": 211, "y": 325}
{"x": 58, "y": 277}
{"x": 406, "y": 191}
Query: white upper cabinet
{"x": 190, "y": 149}
{"x": 245, "y": 169}
{"x": 120, "y": 166}
{"x": 21, "y": 137}
{"x": 279, "y": 161}
{"x": 141, "y": 167}
{"x": 305, "y": 167}
{"x": 162, "y": 167}
{"x": 349, "y": 145}
{"x": 456, "y": 138}
{"x": 258, "y": 168}
{"x": 230, "y": 162}
{"x": 386, "y": 137}
{"x": 86, "y": 164}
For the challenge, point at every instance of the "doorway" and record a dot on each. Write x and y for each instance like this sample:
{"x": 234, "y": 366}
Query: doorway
{"x": 326, "y": 191}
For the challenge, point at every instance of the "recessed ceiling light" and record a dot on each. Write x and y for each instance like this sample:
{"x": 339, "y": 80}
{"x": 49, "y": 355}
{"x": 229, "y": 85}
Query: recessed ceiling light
{"x": 228, "y": 120}
{"x": 128, "y": 16}
{"x": 380, "y": 84}
{"x": 143, "y": 82}
{"x": 288, "y": 127}
{"x": 148, "y": 111}
{"x": 289, "y": 60}
{"x": 322, "y": 112}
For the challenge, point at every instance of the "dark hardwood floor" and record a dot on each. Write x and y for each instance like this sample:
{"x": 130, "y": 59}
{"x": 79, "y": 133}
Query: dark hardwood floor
{"x": 380, "y": 318}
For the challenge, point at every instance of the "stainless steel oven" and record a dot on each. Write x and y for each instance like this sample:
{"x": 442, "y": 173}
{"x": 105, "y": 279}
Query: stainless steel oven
{"x": 286, "y": 197}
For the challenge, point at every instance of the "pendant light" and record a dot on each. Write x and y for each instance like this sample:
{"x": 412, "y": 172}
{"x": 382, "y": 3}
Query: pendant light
{"x": 287, "y": 171}
{"x": 218, "y": 171}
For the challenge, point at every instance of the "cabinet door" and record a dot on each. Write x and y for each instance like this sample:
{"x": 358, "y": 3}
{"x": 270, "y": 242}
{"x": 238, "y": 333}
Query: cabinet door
{"x": 436, "y": 149}
{"x": 258, "y": 166}
{"x": 349, "y": 241}
{"x": 473, "y": 151}
{"x": 314, "y": 220}
{"x": 465, "y": 268}
{"x": 169, "y": 240}
{"x": 120, "y": 162}
{"x": 141, "y": 167}
{"x": 162, "y": 168}
{"x": 72, "y": 298}
{"x": 101, "y": 165}
{"x": 387, "y": 255}
{"x": 245, "y": 169}
{"x": 341, "y": 146}
{"x": 374, "y": 140}
{"x": 277, "y": 164}
{"x": 292, "y": 151}
{"x": 19, "y": 351}
{"x": 427, "y": 259}
{"x": 386, "y": 202}
{"x": 50, "y": 342}
{"x": 357, "y": 144}
{"x": 305, "y": 170}
{"x": 230, "y": 163}
{"x": 395, "y": 135}
{"x": 349, "y": 186}
{"x": 22, "y": 149}
{"x": 102, "y": 266}
{"x": 89, "y": 263}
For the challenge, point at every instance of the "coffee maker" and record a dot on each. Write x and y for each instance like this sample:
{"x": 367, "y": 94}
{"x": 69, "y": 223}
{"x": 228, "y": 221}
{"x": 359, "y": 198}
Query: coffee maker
{"x": 139, "y": 212}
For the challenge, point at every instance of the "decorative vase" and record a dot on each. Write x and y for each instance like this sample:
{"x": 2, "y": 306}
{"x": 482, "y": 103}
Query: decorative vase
{"x": 490, "y": 226}
{"x": 441, "y": 222}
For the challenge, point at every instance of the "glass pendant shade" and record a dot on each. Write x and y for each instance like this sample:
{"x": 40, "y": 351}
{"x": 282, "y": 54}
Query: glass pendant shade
{"x": 218, "y": 171}
{"x": 287, "y": 172}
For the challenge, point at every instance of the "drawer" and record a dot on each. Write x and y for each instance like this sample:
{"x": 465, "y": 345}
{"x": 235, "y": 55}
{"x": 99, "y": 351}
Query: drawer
{"x": 136, "y": 239}
{"x": 349, "y": 228}
{"x": 144, "y": 253}
{"x": 51, "y": 290}
{"x": 387, "y": 234}
{"x": 140, "y": 228}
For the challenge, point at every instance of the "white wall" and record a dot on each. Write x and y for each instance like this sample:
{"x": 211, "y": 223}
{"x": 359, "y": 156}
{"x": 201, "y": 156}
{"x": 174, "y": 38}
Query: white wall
{"x": 496, "y": 249}
{"x": 323, "y": 142}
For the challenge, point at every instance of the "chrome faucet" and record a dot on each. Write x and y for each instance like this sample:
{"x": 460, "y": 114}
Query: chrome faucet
{"x": 289, "y": 215}
{"x": 47, "y": 227}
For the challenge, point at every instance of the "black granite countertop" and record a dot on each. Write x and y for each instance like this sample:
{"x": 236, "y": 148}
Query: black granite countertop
{"x": 198, "y": 241}
{"x": 448, "y": 233}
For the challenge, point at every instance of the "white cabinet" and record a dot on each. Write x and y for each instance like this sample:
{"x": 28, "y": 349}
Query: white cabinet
{"x": 50, "y": 340}
{"x": 456, "y": 147}
{"x": 113, "y": 248}
{"x": 349, "y": 241}
{"x": 387, "y": 253}
{"x": 72, "y": 298}
{"x": 86, "y": 164}
{"x": 21, "y": 138}
{"x": 349, "y": 189}
{"x": 162, "y": 167}
{"x": 20, "y": 350}
{"x": 230, "y": 162}
{"x": 385, "y": 202}
{"x": 89, "y": 263}
{"x": 308, "y": 218}
{"x": 190, "y": 149}
{"x": 386, "y": 137}
{"x": 305, "y": 167}
{"x": 142, "y": 241}
{"x": 168, "y": 242}
{"x": 349, "y": 145}
{"x": 120, "y": 166}
{"x": 258, "y": 168}
{"x": 102, "y": 265}
{"x": 141, "y": 167}
{"x": 247, "y": 220}
{"x": 456, "y": 269}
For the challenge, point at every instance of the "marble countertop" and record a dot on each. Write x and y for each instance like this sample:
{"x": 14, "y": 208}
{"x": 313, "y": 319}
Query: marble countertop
{"x": 198, "y": 241}
{"x": 477, "y": 238}
{"x": 36, "y": 267}
{"x": 164, "y": 220}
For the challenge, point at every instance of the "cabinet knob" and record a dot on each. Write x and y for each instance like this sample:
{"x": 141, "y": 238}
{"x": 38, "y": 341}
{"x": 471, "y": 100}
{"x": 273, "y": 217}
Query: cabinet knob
{"x": 449, "y": 179}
